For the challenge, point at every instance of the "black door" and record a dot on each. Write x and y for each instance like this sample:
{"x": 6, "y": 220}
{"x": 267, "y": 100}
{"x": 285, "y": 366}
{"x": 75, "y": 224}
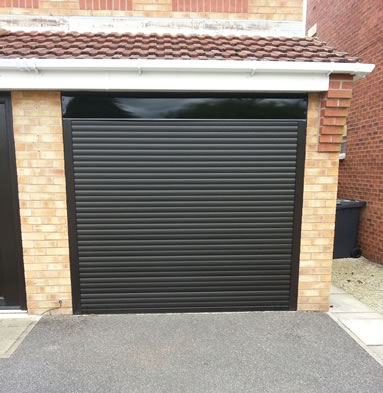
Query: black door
{"x": 12, "y": 287}
{"x": 183, "y": 214}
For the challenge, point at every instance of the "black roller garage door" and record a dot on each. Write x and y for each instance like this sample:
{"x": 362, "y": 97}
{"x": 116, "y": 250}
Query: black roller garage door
{"x": 174, "y": 214}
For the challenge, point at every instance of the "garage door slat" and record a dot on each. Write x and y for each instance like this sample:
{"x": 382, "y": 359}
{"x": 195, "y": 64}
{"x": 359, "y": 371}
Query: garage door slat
{"x": 184, "y": 240}
{"x": 227, "y": 256}
{"x": 201, "y": 307}
{"x": 175, "y": 235}
{"x": 136, "y": 266}
{"x": 99, "y": 159}
{"x": 194, "y": 306}
{"x": 185, "y": 252}
{"x": 126, "y": 210}
{"x": 89, "y": 167}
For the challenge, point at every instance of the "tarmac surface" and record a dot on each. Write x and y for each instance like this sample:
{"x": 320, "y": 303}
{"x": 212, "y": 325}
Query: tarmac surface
{"x": 265, "y": 352}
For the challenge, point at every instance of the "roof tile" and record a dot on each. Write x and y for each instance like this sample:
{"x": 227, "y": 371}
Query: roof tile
{"x": 63, "y": 45}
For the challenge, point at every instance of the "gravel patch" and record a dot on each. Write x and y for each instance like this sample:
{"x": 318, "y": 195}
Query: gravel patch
{"x": 360, "y": 278}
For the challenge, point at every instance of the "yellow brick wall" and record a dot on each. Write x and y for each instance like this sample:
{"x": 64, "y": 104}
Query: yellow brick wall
{"x": 318, "y": 218}
{"x": 42, "y": 194}
{"x": 289, "y": 10}
{"x": 41, "y": 178}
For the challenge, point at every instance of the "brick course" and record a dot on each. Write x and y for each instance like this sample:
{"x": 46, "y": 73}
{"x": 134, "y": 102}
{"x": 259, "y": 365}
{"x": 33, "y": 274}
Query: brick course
{"x": 334, "y": 110}
{"x": 117, "y": 5}
{"x": 42, "y": 195}
{"x": 229, "y": 6}
{"x": 289, "y": 10}
{"x": 359, "y": 31}
{"x": 19, "y": 3}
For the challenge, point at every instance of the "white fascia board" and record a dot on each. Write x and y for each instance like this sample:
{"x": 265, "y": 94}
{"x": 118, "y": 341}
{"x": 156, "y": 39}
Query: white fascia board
{"x": 171, "y": 75}
{"x": 164, "y": 81}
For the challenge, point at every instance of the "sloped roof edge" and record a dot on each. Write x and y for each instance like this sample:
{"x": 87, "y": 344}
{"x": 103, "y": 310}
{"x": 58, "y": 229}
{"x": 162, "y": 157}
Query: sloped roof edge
{"x": 54, "y": 45}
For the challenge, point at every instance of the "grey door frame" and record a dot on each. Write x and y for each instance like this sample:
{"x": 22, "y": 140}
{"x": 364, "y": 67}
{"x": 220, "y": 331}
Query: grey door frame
{"x": 11, "y": 255}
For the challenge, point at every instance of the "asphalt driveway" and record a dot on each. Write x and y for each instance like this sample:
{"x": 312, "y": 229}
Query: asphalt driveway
{"x": 269, "y": 352}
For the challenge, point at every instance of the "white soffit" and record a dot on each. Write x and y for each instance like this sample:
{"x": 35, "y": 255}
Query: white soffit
{"x": 171, "y": 75}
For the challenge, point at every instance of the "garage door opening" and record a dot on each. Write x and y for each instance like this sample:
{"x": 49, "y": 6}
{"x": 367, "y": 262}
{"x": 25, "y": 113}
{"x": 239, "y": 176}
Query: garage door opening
{"x": 183, "y": 203}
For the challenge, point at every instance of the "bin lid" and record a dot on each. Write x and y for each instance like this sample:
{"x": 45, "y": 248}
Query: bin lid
{"x": 349, "y": 204}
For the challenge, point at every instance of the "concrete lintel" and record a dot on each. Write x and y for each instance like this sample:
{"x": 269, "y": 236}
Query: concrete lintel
{"x": 151, "y": 25}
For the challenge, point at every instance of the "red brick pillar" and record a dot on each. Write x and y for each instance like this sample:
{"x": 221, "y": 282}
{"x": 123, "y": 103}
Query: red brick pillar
{"x": 334, "y": 110}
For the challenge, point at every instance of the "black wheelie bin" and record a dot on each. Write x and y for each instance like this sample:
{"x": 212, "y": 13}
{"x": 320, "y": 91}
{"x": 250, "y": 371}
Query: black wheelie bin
{"x": 346, "y": 228}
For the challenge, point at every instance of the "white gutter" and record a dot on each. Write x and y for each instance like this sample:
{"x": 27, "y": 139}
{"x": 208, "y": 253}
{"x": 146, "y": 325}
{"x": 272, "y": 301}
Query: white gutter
{"x": 171, "y": 75}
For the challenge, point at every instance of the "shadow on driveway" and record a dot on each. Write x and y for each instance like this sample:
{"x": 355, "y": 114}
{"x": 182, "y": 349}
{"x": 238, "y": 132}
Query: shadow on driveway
{"x": 268, "y": 352}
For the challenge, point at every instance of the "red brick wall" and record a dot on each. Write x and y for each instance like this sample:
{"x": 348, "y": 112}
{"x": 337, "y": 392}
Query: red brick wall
{"x": 356, "y": 27}
{"x": 233, "y": 6}
{"x": 120, "y": 5}
{"x": 19, "y": 3}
